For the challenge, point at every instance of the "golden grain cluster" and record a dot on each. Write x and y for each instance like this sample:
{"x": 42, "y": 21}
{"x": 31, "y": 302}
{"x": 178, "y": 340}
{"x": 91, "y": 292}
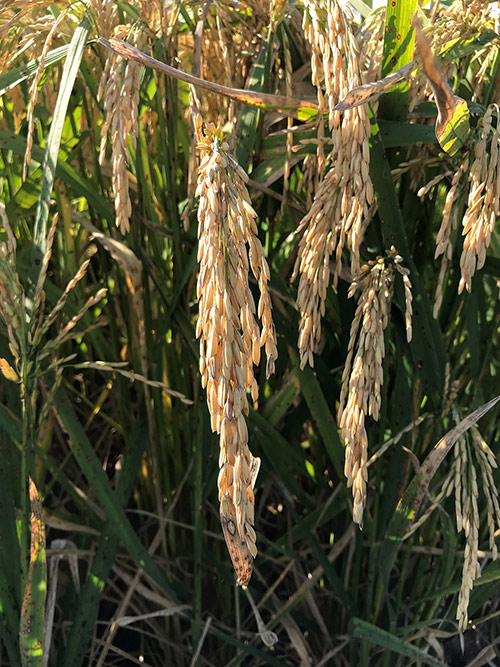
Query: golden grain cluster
{"x": 479, "y": 175}
{"x": 483, "y": 206}
{"x": 341, "y": 207}
{"x": 230, "y": 337}
{"x": 339, "y": 196}
{"x": 471, "y": 453}
{"x": 362, "y": 378}
{"x": 119, "y": 89}
{"x": 444, "y": 245}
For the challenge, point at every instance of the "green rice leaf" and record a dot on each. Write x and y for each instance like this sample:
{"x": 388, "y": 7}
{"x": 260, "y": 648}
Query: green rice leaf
{"x": 398, "y": 52}
{"x": 71, "y": 67}
{"x": 78, "y": 182}
{"x": 364, "y": 630}
{"x": 23, "y": 72}
{"x": 85, "y": 613}
{"x": 250, "y": 116}
{"x": 119, "y": 524}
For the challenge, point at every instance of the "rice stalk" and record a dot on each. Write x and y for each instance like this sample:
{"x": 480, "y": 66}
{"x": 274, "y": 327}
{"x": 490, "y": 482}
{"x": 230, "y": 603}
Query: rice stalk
{"x": 289, "y": 136}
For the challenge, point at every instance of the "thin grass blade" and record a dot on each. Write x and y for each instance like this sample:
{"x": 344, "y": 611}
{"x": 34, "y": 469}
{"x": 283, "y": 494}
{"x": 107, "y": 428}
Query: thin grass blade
{"x": 85, "y": 614}
{"x": 363, "y": 630}
{"x": 71, "y": 67}
{"x": 23, "y": 72}
{"x": 119, "y": 524}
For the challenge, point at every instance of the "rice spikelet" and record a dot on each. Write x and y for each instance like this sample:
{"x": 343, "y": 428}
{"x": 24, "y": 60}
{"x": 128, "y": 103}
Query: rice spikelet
{"x": 230, "y": 338}
{"x": 34, "y": 90}
{"x": 106, "y": 16}
{"x": 449, "y": 221}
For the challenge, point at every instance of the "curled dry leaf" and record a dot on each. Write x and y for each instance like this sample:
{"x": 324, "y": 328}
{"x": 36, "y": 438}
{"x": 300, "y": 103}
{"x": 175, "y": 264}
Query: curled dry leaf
{"x": 428, "y": 468}
{"x": 301, "y": 109}
{"x": 370, "y": 91}
{"x": 452, "y": 124}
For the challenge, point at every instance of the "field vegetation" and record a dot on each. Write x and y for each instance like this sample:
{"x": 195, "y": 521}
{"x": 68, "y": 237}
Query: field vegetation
{"x": 249, "y": 333}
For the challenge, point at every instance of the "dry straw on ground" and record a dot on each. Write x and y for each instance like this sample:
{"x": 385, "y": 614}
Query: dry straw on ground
{"x": 230, "y": 339}
{"x": 341, "y": 207}
{"x": 362, "y": 378}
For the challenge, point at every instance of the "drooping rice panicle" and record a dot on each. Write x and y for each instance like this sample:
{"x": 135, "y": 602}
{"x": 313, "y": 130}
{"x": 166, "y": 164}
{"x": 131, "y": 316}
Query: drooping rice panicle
{"x": 483, "y": 206}
{"x": 230, "y": 338}
{"x": 341, "y": 208}
{"x": 449, "y": 221}
{"x": 362, "y": 378}
{"x": 119, "y": 89}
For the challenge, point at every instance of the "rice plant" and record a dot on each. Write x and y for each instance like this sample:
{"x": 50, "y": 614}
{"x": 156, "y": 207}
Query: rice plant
{"x": 249, "y": 327}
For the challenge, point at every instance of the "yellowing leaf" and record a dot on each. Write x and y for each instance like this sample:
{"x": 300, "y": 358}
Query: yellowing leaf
{"x": 301, "y": 109}
{"x": 453, "y": 132}
{"x": 452, "y": 124}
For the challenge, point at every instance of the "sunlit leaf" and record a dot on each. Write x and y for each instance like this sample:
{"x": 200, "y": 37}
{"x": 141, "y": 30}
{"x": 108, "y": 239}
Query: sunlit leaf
{"x": 452, "y": 124}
